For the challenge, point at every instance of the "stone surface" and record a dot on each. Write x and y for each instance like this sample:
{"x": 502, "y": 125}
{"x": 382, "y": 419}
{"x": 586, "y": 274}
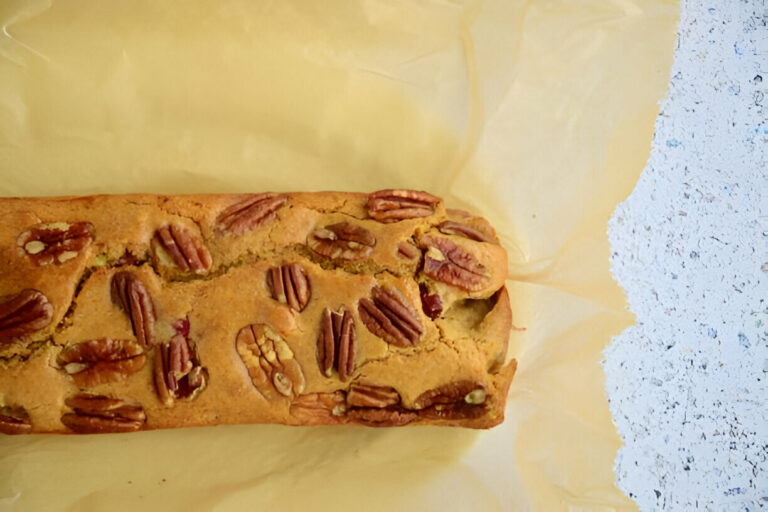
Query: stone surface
{"x": 688, "y": 384}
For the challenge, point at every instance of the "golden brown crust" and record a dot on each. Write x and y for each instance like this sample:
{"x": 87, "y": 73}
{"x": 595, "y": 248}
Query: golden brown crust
{"x": 177, "y": 278}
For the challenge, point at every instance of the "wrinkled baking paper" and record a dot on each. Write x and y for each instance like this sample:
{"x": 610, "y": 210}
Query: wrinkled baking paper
{"x": 538, "y": 113}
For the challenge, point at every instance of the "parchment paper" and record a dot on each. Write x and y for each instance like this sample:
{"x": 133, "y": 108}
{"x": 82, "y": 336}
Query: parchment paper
{"x": 537, "y": 113}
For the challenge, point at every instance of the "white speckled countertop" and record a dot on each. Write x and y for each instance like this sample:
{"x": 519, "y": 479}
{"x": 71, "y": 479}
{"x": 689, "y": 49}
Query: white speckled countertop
{"x": 688, "y": 384}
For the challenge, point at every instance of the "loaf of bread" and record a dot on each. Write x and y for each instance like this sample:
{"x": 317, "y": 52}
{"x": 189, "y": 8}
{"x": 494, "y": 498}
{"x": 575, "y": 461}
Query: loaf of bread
{"x": 123, "y": 313}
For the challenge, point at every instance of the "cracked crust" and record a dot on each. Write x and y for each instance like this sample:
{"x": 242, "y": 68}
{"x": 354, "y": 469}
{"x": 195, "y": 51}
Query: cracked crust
{"x": 467, "y": 341}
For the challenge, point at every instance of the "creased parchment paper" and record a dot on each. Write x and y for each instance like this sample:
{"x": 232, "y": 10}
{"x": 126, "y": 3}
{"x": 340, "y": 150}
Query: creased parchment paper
{"x": 537, "y": 113}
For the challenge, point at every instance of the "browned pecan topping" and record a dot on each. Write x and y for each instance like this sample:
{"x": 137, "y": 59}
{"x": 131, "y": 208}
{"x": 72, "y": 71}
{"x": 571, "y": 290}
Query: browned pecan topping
{"x": 457, "y": 212}
{"x": 131, "y": 295}
{"x": 57, "y": 242}
{"x": 103, "y": 360}
{"x": 407, "y": 250}
{"x": 455, "y": 400}
{"x": 185, "y": 250}
{"x": 431, "y": 303}
{"x": 270, "y": 362}
{"x": 14, "y": 420}
{"x": 377, "y": 406}
{"x": 181, "y": 326}
{"x": 394, "y": 205}
{"x": 450, "y": 227}
{"x": 319, "y": 408}
{"x": 460, "y": 391}
{"x": 343, "y": 240}
{"x": 453, "y": 411}
{"x": 337, "y": 343}
{"x": 95, "y": 414}
{"x": 177, "y": 369}
{"x": 24, "y": 313}
{"x": 369, "y": 395}
{"x": 257, "y": 210}
{"x": 391, "y": 317}
{"x": 451, "y": 264}
{"x": 375, "y": 417}
{"x": 289, "y": 284}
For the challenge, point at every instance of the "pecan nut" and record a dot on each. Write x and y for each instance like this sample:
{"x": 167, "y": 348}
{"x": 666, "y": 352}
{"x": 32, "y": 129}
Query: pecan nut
{"x": 390, "y": 316}
{"x": 103, "y": 360}
{"x": 244, "y": 216}
{"x": 394, "y": 205}
{"x": 479, "y": 223}
{"x": 455, "y": 400}
{"x": 463, "y": 390}
{"x": 132, "y": 296}
{"x": 375, "y": 417}
{"x": 177, "y": 369}
{"x": 337, "y": 343}
{"x": 181, "y": 326}
{"x": 270, "y": 362}
{"x": 450, "y": 227}
{"x": 289, "y": 285}
{"x": 408, "y": 251}
{"x": 14, "y": 420}
{"x": 453, "y": 411}
{"x": 56, "y": 242}
{"x": 184, "y": 250}
{"x": 95, "y": 414}
{"x": 343, "y": 240}
{"x": 431, "y": 303}
{"x": 376, "y": 406}
{"x": 24, "y": 313}
{"x": 451, "y": 264}
{"x": 319, "y": 408}
{"x": 369, "y": 395}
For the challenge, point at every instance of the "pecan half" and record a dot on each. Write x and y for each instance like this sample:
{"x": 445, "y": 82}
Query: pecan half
{"x": 319, "y": 408}
{"x": 14, "y": 420}
{"x": 181, "y": 326}
{"x": 460, "y": 399}
{"x": 95, "y": 414}
{"x": 393, "y": 205}
{"x": 56, "y": 242}
{"x": 463, "y": 390}
{"x": 131, "y": 295}
{"x": 457, "y": 212}
{"x": 391, "y": 317}
{"x": 343, "y": 240}
{"x": 270, "y": 362}
{"x": 370, "y": 395}
{"x": 177, "y": 369}
{"x": 431, "y": 303}
{"x": 257, "y": 210}
{"x": 451, "y": 264}
{"x": 407, "y": 250}
{"x": 337, "y": 343}
{"x": 24, "y": 313}
{"x": 289, "y": 284}
{"x": 376, "y": 406}
{"x": 185, "y": 250}
{"x": 103, "y": 360}
{"x": 450, "y": 227}
{"x": 374, "y": 417}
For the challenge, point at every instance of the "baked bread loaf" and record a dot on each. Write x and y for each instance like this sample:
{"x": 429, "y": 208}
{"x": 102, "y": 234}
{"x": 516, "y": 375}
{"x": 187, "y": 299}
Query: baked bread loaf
{"x": 121, "y": 313}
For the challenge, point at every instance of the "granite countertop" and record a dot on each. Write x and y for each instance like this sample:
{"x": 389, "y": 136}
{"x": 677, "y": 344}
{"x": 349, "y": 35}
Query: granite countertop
{"x": 688, "y": 384}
